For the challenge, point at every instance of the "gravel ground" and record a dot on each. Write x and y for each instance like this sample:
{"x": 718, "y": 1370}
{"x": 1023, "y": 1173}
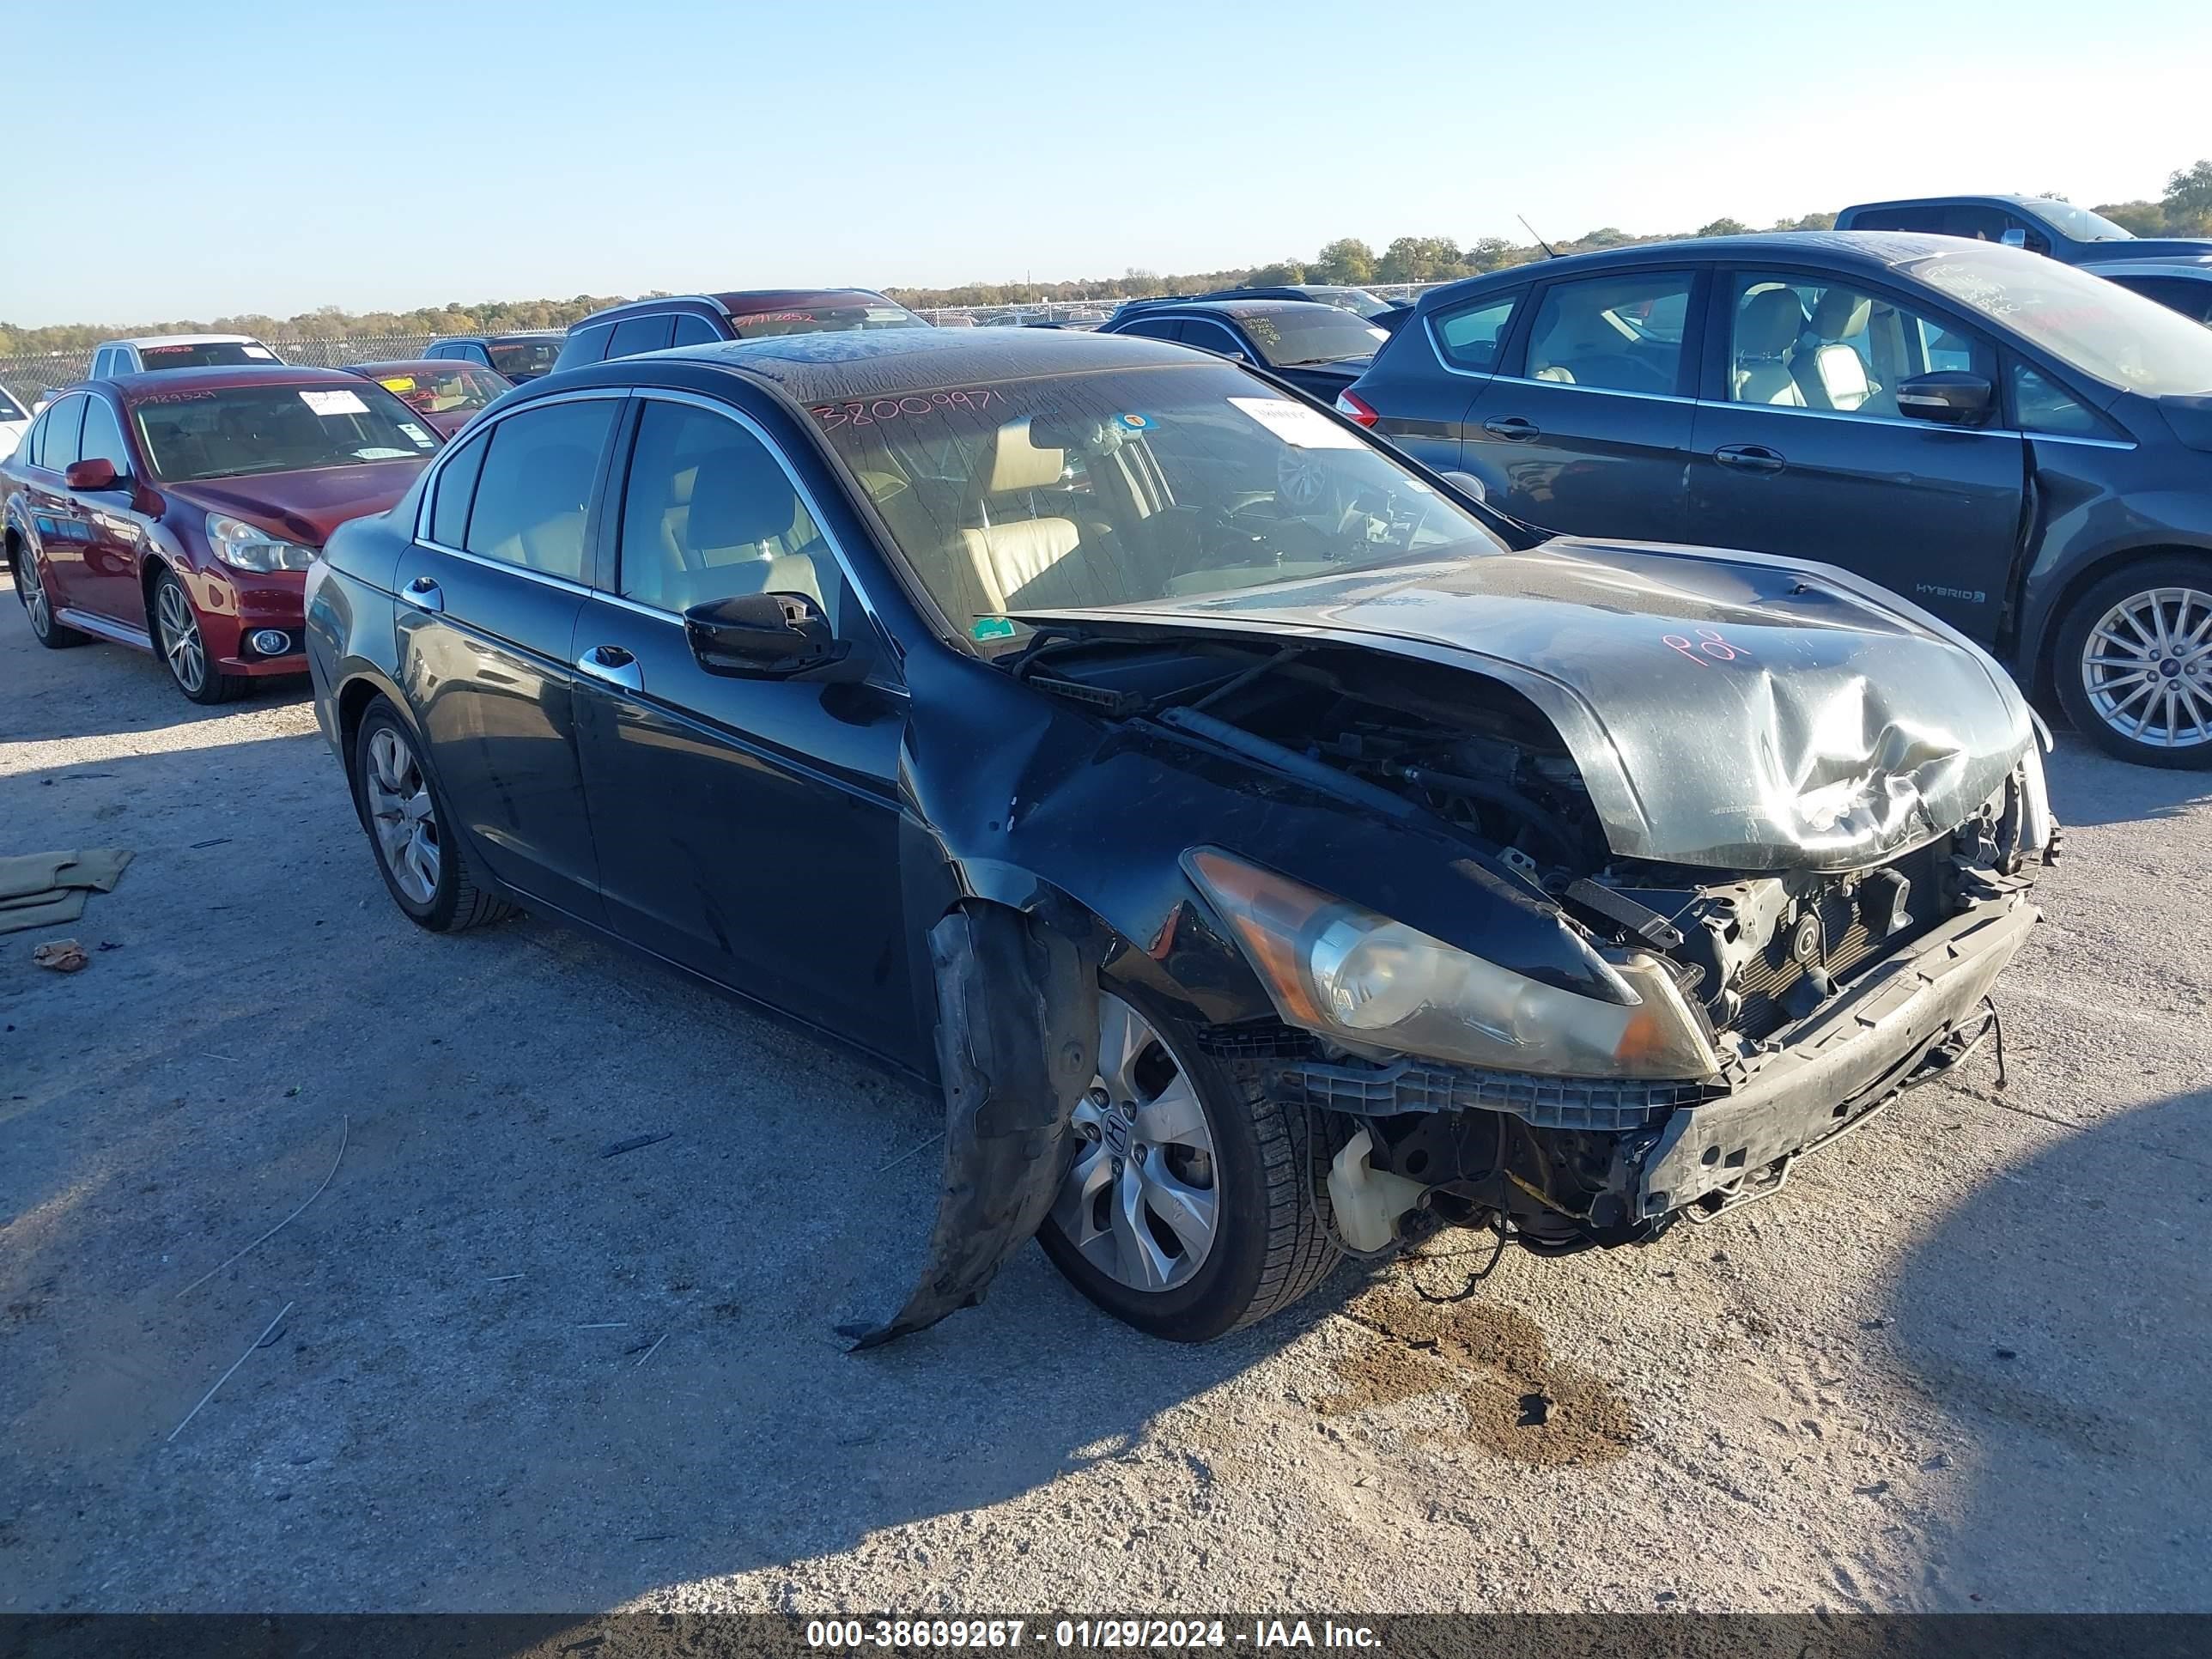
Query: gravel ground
{"x": 1959, "y": 1362}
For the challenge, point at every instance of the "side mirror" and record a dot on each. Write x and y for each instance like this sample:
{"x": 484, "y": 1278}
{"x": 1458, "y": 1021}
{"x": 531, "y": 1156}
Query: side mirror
{"x": 766, "y": 636}
{"x": 96, "y": 474}
{"x": 1950, "y": 396}
{"x": 1468, "y": 484}
{"x": 2014, "y": 238}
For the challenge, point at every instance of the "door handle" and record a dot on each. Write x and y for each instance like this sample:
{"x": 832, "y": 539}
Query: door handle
{"x": 1512, "y": 428}
{"x": 613, "y": 665}
{"x": 1750, "y": 458}
{"x": 423, "y": 594}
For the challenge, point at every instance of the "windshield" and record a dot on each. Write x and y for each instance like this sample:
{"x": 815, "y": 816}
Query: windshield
{"x": 446, "y": 388}
{"x": 1120, "y": 486}
{"x": 1357, "y": 300}
{"x": 2098, "y": 327}
{"x": 825, "y": 319}
{"x": 1291, "y": 335}
{"x": 521, "y": 359}
{"x": 227, "y": 431}
{"x": 207, "y": 353}
{"x": 2079, "y": 223}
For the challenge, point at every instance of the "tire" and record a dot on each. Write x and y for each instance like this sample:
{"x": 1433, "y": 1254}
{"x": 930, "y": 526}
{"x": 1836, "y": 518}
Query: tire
{"x": 1272, "y": 1239}
{"x": 30, "y": 589}
{"x": 2123, "y": 617}
{"x": 440, "y": 893}
{"x": 175, "y": 625}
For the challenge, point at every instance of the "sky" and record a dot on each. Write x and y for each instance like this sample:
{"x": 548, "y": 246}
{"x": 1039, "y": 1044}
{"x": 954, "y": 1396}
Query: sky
{"x": 250, "y": 157}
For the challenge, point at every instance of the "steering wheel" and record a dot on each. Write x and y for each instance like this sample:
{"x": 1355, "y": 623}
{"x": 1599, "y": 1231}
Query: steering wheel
{"x": 1305, "y": 484}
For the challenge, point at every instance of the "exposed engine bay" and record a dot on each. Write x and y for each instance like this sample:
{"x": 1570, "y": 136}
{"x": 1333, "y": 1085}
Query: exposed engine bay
{"x": 1771, "y": 959}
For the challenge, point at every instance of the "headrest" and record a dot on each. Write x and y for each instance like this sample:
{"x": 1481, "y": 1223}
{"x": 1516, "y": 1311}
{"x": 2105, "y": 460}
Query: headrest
{"x": 1841, "y": 314}
{"x": 1769, "y": 322}
{"x": 741, "y": 496}
{"x": 1017, "y": 464}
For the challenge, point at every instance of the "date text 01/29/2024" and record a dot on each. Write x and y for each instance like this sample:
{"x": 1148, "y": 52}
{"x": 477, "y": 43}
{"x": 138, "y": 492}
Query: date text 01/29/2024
{"x": 1086, "y": 1633}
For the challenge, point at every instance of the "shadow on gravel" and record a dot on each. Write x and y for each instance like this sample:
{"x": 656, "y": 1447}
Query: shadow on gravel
{"x": 2089, "y": 786}
{"x": 2063, "y": 1320}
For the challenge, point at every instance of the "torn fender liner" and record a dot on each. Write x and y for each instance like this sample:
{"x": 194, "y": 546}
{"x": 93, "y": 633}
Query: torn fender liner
{"x": 1018, "y": 1044}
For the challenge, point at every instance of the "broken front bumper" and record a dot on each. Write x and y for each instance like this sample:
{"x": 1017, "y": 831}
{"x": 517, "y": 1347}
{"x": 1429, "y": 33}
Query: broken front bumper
{"x": 1676, "y": 1144}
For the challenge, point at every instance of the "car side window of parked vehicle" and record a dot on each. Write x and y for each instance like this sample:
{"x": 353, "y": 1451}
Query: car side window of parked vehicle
{"x": 691, "y": 329}
{"x": 456, "y": 487}
{"x": 585, "y": 345}
{"x": 636, "y": 334}
{"x": 1156, "y": 328}
{"x": 35, "y": 441}
{"x": 534, "y": 485}
{"x": 102, "y": 437}
{"x": 64, "y": 421}
{"x": 1805, "y": 343}
{"x": 2041, "y": 404}
{"x": 2191, "y": 298}
{"x": 1592, "y": 333}
{"x": 708, "y": 512}
{"x": 1470, "y": 335}
{"x": 1211, "y": 337}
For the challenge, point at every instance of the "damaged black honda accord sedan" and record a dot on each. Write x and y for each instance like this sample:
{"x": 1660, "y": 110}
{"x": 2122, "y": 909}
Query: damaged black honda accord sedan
{"x": 1266, "y": 848}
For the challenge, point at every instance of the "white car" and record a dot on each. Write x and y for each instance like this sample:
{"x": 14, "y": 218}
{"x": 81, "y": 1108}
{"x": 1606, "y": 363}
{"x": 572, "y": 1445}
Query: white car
{"x": 156, "y": 351}
{"x": 15, "y": 421}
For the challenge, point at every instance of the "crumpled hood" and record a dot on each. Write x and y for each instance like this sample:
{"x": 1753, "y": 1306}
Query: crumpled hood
{"x": 1728, "y": 710}
{"x": 304, "y": 507}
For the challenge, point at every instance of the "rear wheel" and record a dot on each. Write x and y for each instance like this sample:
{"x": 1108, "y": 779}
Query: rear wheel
{"x": 31, "y": 589}
{"x": 421, "y": 860}
{"x": 177, "y": 636}
{"x": 2134, "y": 663}
{"x": 1193, "y": 1205}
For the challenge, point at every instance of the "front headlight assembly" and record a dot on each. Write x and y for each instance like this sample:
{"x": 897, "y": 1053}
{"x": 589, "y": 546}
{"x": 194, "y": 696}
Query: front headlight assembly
{"x": 245, "y": 546}
{"x": 1376, "y": 985}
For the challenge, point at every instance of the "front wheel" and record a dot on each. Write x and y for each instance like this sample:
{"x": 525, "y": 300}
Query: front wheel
{"x": 2134, "y": 663}
{"x": 1195, "y": 1205}
{"x": 182, "y": 647}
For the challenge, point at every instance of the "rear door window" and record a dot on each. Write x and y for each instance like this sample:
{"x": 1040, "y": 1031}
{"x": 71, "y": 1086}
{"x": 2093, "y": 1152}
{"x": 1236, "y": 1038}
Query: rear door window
{"x": 585, "y": 345}
{"x": 641, "y": 334}
{"x": 535, "y": 487}
{"x": 691, "y": 329}
{"x": 1615, "y": 333}
{"x": 1469, "y": 336}
{"x": 1156, "y": 328}
{"x": 456, "y": 483}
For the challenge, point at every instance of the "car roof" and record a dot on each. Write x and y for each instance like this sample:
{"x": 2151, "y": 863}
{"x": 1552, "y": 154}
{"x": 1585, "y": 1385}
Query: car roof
{"x": 884, "y": 362}
{"x": 1870, "y": 251}
{"x": 169, "y": 381}
{"x": 1998, "y": 199}
{"x": 1248, "y": 307}
{"x": 180, "y": 339}
{"x": 401, "y": 366}
{"x": 510, "y": 334}
{"x": 741, "y": 302}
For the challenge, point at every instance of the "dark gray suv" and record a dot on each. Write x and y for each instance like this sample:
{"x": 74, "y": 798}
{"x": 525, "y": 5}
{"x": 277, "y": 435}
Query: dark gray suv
{"x": 2023, "y": 449}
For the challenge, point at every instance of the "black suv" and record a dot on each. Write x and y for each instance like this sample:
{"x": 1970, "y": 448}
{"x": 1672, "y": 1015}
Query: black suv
{"x": 683, "y": 319}
{"x": 2020, "y": 447}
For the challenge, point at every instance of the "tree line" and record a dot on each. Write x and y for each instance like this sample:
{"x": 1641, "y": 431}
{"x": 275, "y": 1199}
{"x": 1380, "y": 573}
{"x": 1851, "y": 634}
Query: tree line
{"x": 2184, "y": 210}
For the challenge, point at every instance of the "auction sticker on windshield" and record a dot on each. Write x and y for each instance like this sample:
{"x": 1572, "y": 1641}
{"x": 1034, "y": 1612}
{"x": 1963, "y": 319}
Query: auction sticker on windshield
{"x": 334, "y": 402}
{"x": 1294, "y": 423}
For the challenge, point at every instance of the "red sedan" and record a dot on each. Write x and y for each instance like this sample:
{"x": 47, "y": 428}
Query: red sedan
{"x": 178, "y": 511}
{"x": 445, "y": 394}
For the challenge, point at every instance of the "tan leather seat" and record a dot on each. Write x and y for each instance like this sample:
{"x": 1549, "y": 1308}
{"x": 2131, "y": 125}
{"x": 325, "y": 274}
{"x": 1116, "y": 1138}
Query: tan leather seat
{"x": 1766, "y": 329}
{"x": 1010, "y": 546}
{"x": 742, "y": 529}
{"x": 1831, "y": 373}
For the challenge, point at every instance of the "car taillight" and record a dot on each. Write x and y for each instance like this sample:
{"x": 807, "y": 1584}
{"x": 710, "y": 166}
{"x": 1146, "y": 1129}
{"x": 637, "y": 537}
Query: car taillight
{"x": 1355, "y": 409}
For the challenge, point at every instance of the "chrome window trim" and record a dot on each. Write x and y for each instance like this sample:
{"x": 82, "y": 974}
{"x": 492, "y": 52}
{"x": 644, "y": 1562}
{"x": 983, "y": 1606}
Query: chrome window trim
{"x": 544, "y": 578}
{"x": 1856, "y": 419}
{"x": 1598, "y": 391}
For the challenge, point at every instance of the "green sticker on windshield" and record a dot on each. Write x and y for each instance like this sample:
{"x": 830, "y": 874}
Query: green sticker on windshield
{"x": 993, "y": 628}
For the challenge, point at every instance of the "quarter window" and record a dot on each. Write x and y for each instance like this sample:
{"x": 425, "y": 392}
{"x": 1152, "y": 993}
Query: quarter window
{"x": 1621, "y": 333}
{"x": 2041, "y": 404}
{"x": 535, "y": 486}
{"x": 1469, "y": 337}
{"x": 709, "y": 514}
{"x": 1801, "y": 341}
{"x": 641, "y": 334}
{"x": 691, "y": 329}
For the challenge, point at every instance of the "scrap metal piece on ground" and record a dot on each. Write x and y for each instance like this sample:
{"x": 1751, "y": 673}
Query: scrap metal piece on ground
{"x": 44, "y": 889}
{"x": 63, "y": 955}
{"x": 1016, "y": 1043}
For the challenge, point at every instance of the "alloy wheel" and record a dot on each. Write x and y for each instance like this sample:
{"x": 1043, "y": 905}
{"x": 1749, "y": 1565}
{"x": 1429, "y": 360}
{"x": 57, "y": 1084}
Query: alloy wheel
{"x": 402, "y": 814}
{"x": 180, "y": 638}
{"x": 2147, "y": 667}
{"x": 33, "y": 593}
{"x": 1139, "y": 1201}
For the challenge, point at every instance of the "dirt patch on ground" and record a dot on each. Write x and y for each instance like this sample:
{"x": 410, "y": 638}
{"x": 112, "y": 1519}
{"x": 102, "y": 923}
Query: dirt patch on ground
{"x": 1493, "y": 1359}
